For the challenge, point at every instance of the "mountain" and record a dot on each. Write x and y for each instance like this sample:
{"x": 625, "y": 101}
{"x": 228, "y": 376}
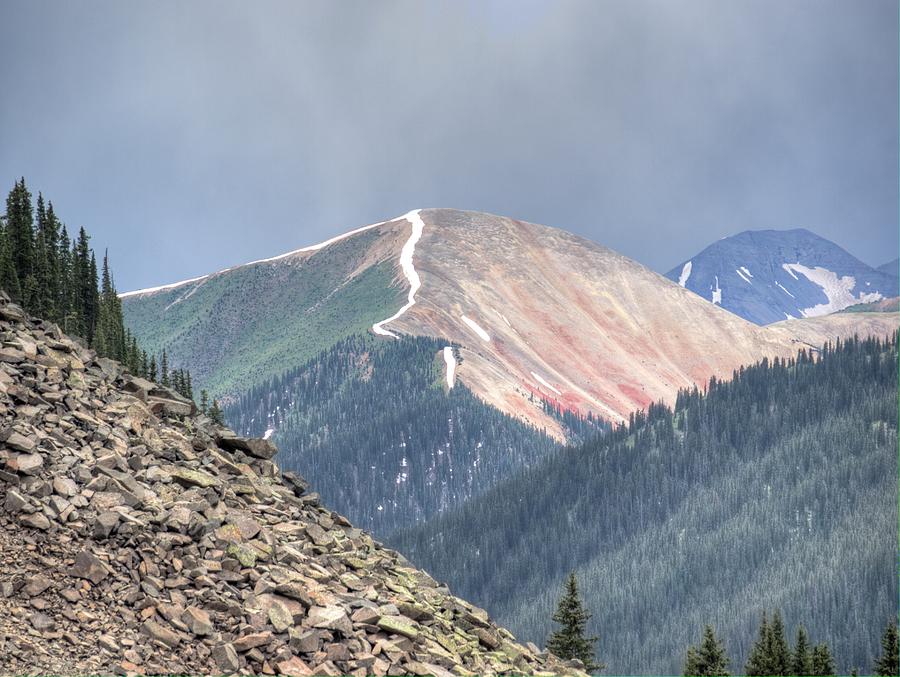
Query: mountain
{"x": 770, "y": 275}
{"x": 139, "y": 538}
{"x": 535, "y": 313}
{"x": 777, "y": 489}
{"x": 409, "y": 365}
{"x": 890, "y": 268}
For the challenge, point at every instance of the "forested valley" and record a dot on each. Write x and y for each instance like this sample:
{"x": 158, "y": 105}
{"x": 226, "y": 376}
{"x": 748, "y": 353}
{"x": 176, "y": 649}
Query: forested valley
{"x": 774, "y": 490}
{"x": 373, "y": 426}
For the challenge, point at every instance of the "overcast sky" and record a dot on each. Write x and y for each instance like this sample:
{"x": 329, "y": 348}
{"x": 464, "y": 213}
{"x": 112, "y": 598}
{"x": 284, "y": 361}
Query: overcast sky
{"x": 190, "y": 136}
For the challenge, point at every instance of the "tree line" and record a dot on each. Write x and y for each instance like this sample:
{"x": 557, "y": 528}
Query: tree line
{"x": 55, "y": 277}
{"x": 770, "y": 655}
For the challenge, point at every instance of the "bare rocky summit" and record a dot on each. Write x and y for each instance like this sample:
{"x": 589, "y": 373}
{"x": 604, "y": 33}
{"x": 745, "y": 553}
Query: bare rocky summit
{"x": 138, "y": 538}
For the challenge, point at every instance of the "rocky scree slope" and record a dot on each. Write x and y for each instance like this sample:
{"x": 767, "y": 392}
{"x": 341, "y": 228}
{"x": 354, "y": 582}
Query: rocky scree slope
{"x": 137, "y": 538}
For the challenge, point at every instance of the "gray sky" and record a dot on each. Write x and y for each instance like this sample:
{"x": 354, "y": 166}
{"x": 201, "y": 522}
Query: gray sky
{"x": 190, "y": 136}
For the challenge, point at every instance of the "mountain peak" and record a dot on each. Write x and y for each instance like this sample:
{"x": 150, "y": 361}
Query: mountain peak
{"x": 767, "y": 276}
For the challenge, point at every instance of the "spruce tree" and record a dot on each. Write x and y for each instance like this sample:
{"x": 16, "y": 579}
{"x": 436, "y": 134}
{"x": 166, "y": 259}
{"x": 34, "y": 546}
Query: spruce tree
{"x": 151, "y": 372}
{"x": 801, "y": 660}
{"x": 779, "y": 652}
{"x": 20, "y": 225}
{"x": 164, "y": 370}
{"x": 9, "y": 278}
{"x": 709, "y": 659}
{"x": 759, "y": 662}
{"x": 215, "y": 413}
{"x": 889, "y": 662}
{"x": 822, "y": 662}
{"x": 204, "y": 402}
{"x": 569, "y": 641}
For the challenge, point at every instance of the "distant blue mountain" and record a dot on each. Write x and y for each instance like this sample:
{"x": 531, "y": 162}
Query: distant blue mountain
{"x": 770, "y": 275}
{"x": 891, "y": 267}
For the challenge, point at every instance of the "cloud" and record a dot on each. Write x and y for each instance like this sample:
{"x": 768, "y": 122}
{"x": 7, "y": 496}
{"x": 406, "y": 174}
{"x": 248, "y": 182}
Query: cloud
{"x": 192, "y": 136}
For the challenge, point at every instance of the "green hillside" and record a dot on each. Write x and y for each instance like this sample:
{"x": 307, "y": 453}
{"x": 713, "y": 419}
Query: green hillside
{"x": 300, "y": 307}
{"x": 777, "y": 490}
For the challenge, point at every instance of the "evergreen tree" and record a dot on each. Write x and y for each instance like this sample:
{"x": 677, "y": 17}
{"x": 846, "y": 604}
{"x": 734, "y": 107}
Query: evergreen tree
{"x": 151, "y": 372}
{"x": 889, "y": 662}
{"x": 709, "y": 659}
{"x": 569, "y": 641}
{"x": 760, "y": 662}
{"x": 20, "y": 225}
{"x": 164, "y": 370}
{"x": 779, "y": 651}
{"x": 801, "y": 659}
{"x": 821, "y": 662}
{"x": 9, "y": 278}
{"x": 215, "y": 413}
{"x": 204, "y": 402}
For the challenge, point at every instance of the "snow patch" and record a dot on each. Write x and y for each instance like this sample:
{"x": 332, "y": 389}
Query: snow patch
{"x": 743, "y": 275}
{"x": 151, "y": 290}
{"x": 785, "y": 290}
{"x": 685, "y": 273}
{"x": 268, "y": 434}
{"x": 321, "y": 245}
{"x": 477, "y": 329}
{"x": 788, "y": 316}
{"x": 838, "y": 290}
{"x": 450, "y": 361}
{"x": 406, "y": 265}
{"x": 746, "y": 272}
{"x": 717, "y": 293}
{"x": 540, "y": 379}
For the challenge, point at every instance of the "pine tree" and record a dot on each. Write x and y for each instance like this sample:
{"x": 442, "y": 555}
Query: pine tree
{"x": 759, "y": 662}
{"x": 709, "y": 659}
{"x": 20, "y": 226}
{"x": 189, "y": 386}
{"x": 9, "y": 278}
{"x": 164, "y": 370}
{"x": 151, "y": 372}
{"x": 215, "y": 413}
{"x": 822, "y": 662}
{"x": 889, "y": 662}
{"x": 569, "y": 641}
{"x": 204, "y": 402}
{"x": 801, "y": 660}
{"x": 779, "y": 652}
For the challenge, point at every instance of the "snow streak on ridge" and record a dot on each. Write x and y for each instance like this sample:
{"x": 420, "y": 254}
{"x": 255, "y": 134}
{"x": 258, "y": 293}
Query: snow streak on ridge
{"x": 312, "y": 247}
{"x": 406, "y": 265}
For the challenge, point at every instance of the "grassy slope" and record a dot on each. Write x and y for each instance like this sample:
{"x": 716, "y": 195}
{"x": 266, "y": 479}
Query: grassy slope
{"x": 237, "y": 329}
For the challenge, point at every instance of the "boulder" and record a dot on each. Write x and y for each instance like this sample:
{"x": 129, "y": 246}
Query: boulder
{"x": 88, "y": 566}
{"x": 256, "y": 447}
